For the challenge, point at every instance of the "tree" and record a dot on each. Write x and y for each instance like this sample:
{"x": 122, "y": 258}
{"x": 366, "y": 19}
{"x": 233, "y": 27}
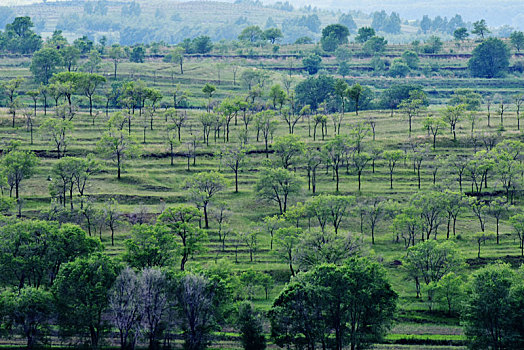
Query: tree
{"x": 517, "y": 221}
{"x": 34, "y": 251}
{"x": 118, "y": 147}
{"x": 375, "y": 45}
{"x": 10, "y": 88}
{"x": 431, "y": 206}
{"x": 517, "y": 40}
{"x": 235, "y": 158}
{"x": 355, "y": 93}
{"x": 460, "y": 34}
{"x": 125, "y": 307}
{"x": 364, "y": 34}
{"x": 392, "y": 97}
{"x": 250, "y": 324}
{"x": 337, "y": 305}
{"x": 392, "y": 157}
{"x": 433, "y": 125}
{"x": 315, "y": 90}
{"x": 265, "y": 124}
{"x": 44, "y": 64}
{"x": 116, "y": 54}
{"x": 398, "y": 69}
{"x": 433, "y": 45}
{"x": 489, "y": 314}
{"x": 70, "y": 56}
{"x": 19, "y": 38}
{"x": 278, "y": 185}
{"x": 454, "y": 203}
{"x": 359, "y": 161}
{"x": 334, "y": 35}
{"x": 181, "y": 222}
{"x": 312, "y": 63}
{"x": 330, "y": 208}
{"x": 272, "y": 34}
{"x": 202, "y": 303}
{"x": 16, "y": 166}
{"x": 81, "y": 292}
{"x": 429, "y": 261}
{"x": 203, "y": 187}
{"x": 150, "y": 246}
{"x": 92, "y": 65}
{"x": 407, "y": 224}
{"x": 29, "y": 311}
{"x": 209, "y": 90}
{"x": 176, "y": 56}
{"x": 288, "y": 150}
{"x": 411, "y": 59}
{"x": 466, "y": 97}
{"x": 137, "y": 55}
{"x": 413, "y": 105}
{"x": 57, "y": 131}
{"x": 490, "y": 59}
{"x": 347, "y": 20}
{"x": 374, "y": 211}
{"x": 452, "y": 115}
{"x": 480, "y": 238}
{"x": 450, "y": 291}
{"x": 480, "y": 28}
{"x": 155, "y": 304}
{"x": 87, "y": 84}
{"x": 251, "y": 34}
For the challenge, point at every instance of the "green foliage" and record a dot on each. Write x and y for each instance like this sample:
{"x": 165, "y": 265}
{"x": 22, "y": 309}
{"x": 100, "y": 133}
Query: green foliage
{"x": 44, "y": 64}
{"x": 180, "y": 220}
{"x": 81, "y": 292}
{"x": 137, "y": 54}
{"x": 28, "y": 312}
{"x": 16, "y": 166}
{"x": 334, "y": 35}
{"x": 118, "y": 147}
{"x": 315, "y": 90}
{"x": 20, "y": 38}
{"x": 272, "y": 35}
{"x": 203, "y": 187}
{"x": 433, "y": 45}
{"x": 375, "y": 45}
{"x": 312, "y": 63}
{"x": 35, "y": 251}
{"x": 251, "y": 34}
{"x": 411, "y": 59}
{"x": 392, "y": 97}
{"x": 347, "y": 305}
{"x": 517, "y": 40}
{"x": 480, "y": 28}
{"x": 460, "y": 34}
{"x": 493, "y": 308}
{"x": 364, "y": 34}
{"x": 249, "y": 322}
{"x": 278, "y": 185}
{"x": 399, "y": 69}
{"x": 150, "y": 246}
{"x": 429, "y": 261}
{"x": 490, "y": 59}
{"x": 288, "y": 150}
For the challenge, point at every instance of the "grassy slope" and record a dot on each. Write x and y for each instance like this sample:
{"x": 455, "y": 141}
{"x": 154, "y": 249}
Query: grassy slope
{"x": 151, "y": 181}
